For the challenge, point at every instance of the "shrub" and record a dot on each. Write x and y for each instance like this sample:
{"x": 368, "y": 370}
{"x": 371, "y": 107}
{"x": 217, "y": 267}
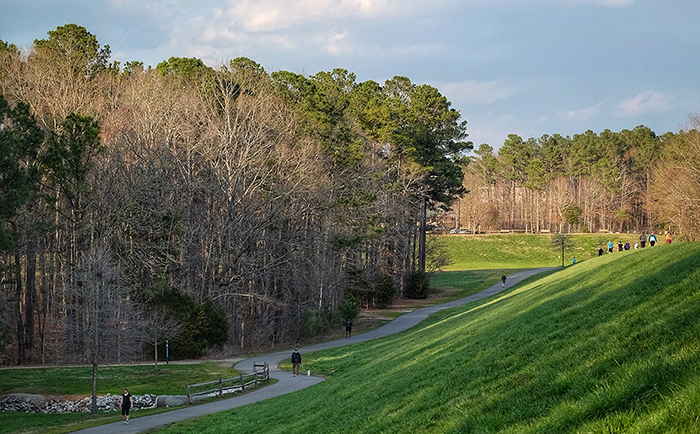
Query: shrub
{"x": 349, "y": 308}
{"x": 386, "y": 289}
{"x": 315, "y": 321}
{"x": 418, "y": 285}
{"x": 217, "y": 328}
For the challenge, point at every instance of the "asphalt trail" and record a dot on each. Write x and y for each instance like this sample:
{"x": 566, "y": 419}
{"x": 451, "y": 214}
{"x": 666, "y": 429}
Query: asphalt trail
{"x": 286, "y": 382}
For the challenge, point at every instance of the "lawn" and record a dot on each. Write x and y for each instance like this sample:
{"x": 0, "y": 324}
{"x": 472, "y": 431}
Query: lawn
{"x": 609, "y": 345}
{"x": 473, "y": 252}
{"x": 77, "y": 381}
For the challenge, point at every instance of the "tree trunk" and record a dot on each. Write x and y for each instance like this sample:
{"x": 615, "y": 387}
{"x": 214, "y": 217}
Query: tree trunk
{"x": 20, "y": 323}
{"x": 31, "y": 292}
{"x": 421, "y": 247}
{"x": 93, "y": 409}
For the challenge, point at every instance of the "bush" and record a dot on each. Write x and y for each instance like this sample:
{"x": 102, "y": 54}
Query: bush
{"x": 349, "y": 308}
{"x": 216, "y": 332}
{"x": 418, "y": 285}
{"x": 202, "y": 325}
{"x": 386, "y": 289}
{"x": 317, "y": 321}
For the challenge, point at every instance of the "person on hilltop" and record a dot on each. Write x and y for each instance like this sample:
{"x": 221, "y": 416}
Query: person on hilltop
{"x": 296, "y": 362}
{"x": 652, "y": 239}
{"x": 126, "y": 403}
{"x": 642, "y": 239}
{"x": 503, "y": 281}
{"x": 348, "y": 328}
{"x": 668, "y": 237}
{"x": 610, "y": 247}
{"x": 627, "y": 245}
{"x": 620, "y": 246}
{"x": 600, "y": 252}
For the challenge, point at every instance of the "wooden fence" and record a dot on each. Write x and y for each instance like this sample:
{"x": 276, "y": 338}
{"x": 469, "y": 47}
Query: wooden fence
{"x": 228, "y": 384}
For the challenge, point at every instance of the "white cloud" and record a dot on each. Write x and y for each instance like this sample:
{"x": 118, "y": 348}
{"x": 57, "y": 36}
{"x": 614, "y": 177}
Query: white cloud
{"x": 336, "y": 43}
{"x": 581, "y": 115}
{"x": 271, "y": 15}
{"x": 646, "y": 102}
{"x": 477, "y": 92}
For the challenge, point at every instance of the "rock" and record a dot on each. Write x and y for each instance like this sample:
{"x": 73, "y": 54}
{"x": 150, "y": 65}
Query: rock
{"x": 170, "y": 400}
{"x": 39, "y": 403}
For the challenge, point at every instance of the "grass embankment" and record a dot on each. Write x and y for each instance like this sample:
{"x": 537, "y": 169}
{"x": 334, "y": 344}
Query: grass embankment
{"x": 609, "y": 345}
{"x": 77, "y": 382}
{"x": 472, "y": 252}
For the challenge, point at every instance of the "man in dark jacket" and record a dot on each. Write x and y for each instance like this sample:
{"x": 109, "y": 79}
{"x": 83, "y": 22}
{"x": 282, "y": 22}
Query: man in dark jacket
{"x": 642, "y": 239}
{"x": 296, "y": 362}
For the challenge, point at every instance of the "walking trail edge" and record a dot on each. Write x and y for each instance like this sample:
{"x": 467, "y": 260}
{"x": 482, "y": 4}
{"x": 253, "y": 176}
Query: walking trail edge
{"x": 286, "y": 382}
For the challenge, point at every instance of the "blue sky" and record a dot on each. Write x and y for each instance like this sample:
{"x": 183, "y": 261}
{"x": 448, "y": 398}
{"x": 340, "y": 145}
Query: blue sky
{"x": 529, "y": 67}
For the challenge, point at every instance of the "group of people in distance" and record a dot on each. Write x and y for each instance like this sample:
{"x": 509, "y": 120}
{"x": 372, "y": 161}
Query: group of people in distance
{"x": 643, "y": 239}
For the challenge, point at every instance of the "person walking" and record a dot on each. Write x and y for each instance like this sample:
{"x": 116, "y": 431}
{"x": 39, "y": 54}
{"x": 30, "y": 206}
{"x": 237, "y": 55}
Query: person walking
{"x": 348, "y": 328}
{"x": 296, "y": 362}
{"x": 600, "y": 252}
{"x": 642, "y": 239}
{"x": 668, "y": 237}
{"x": 126, "y": 403}
{"x": 652, "y": 239}
{"x": 503, "y": 281}
{"x": 610, "y": 247}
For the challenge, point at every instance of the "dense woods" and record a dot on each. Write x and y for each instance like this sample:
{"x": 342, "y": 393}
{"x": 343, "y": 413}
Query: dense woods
{"x": 627, "y": 181}
{"x": 228, "y": 206}
{"x": 231, "y": 205}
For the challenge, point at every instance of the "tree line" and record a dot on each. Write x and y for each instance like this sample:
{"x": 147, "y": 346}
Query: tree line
{"x": 236, "y": 206}
{"x": 632, "y": 180}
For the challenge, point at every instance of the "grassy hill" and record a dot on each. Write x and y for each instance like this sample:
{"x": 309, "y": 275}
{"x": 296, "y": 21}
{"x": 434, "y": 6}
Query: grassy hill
{"x": 609, "y": 345}
{"x": 471, "y": 252}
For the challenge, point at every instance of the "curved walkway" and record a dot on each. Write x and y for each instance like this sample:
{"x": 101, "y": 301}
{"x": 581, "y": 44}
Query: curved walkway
{"x": 286, "y": 382}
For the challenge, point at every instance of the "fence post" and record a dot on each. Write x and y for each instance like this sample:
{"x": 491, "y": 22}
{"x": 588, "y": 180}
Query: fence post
{"x": 187, "y": 389}
{"x": 255, "y": 376}
{"x": 267, "y": 371}
{"x": 221, "y": 387}
{"x": 242, "y": 382}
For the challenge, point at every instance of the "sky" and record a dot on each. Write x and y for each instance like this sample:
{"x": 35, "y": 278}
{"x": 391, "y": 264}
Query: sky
{"x": 526, "y": 67}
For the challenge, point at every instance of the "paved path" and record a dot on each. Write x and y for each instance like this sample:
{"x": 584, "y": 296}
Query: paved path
{"x": 286, "y": 382}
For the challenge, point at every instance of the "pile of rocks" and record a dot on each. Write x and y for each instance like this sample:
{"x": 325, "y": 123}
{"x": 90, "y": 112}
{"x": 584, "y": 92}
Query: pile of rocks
{"x": 39, "y": 403}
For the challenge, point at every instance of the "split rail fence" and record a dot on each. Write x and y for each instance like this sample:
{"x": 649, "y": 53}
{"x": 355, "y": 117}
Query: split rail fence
{"x": 229, "y": 384}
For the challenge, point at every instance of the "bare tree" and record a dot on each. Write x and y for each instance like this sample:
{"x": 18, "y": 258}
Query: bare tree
{"x": 159, "y": 325}
{"x": 98, "y": 295}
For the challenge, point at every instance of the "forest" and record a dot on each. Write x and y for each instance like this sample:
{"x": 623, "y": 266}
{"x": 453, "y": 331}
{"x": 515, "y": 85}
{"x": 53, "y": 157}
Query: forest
{"x": 627, "y": 181}
{"x": 231, "y": 207}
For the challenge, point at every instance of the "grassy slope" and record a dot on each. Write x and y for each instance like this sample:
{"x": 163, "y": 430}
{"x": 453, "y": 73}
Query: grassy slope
{"x": 471, "y": 252}
{"x": 608, "y": 345}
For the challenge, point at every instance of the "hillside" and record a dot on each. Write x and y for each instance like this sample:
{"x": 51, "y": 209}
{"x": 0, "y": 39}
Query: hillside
{"x": 609, "y": 345}
{"x": 471, "y": 252}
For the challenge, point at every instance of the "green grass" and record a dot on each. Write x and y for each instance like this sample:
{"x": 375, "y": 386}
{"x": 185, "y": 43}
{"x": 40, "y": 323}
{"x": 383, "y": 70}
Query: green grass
{"x": 170, "y": 379}
{"x": 463, "y": 283}
{"x": 611, "y": 345}
{"x": 77, "y": 381}
{"x": 472, "y": 252}
{"x": 28, "y": 423}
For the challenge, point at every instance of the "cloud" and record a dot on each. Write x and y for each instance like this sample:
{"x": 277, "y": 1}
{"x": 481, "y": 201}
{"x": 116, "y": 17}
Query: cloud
{"x": 336, "y": 43}
{"x": 581, "y": 115}
{"x": 272, "y": 15}
{"x": 477, "y": 92}
{"x": 646, "y": 102}
{"x": 617, "y": 3}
